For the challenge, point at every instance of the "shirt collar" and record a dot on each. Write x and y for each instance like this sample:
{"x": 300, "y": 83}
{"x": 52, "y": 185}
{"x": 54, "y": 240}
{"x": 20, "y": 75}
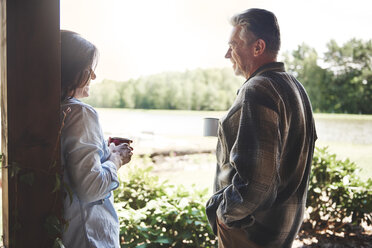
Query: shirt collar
{"x": 71, "y": 100}
{"x": 272, "y": 66}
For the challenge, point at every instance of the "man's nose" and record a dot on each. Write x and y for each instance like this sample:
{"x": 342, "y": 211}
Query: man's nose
{"x": 228, "y": 54}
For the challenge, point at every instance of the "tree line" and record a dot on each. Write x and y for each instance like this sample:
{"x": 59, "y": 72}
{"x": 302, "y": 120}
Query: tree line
{"x": 199, "y": 89}
{"x": 338, "y": 82}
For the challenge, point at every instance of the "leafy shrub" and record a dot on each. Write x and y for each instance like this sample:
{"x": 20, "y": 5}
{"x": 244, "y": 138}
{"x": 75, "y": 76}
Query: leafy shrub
{"x": 155, "y": 214}
{"x": 336, "y": 193}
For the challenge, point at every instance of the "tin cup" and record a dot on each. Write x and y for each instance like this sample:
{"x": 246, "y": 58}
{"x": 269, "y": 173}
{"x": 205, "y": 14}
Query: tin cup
{"x": 210, "y": 127}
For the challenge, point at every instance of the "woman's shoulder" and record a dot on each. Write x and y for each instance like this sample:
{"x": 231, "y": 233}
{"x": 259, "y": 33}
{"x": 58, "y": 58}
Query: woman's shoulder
{"x": 78, "y": 108}
{"x": 74, "y": 103}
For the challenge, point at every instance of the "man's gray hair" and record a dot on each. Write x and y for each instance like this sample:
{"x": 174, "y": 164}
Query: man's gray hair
{"x": 263, "y": 24}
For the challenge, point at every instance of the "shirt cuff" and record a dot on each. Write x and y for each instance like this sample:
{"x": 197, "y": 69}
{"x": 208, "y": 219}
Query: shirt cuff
{"x": 111, "y": 167}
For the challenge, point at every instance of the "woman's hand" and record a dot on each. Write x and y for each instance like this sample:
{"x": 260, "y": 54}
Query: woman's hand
{"x": 120, "y": 154}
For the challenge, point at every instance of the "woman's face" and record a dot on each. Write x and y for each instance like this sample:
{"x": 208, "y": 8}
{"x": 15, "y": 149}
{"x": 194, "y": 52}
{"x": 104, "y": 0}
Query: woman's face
{"x": 84, "y": 91}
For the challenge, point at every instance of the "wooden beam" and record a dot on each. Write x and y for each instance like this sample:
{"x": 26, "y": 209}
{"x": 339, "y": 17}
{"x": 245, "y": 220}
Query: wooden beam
{"x": 30, "y": 79}
{"x": 4, "y": 122}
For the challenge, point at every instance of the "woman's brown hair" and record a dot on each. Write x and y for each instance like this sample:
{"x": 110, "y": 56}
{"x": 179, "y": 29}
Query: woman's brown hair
{"x": 78, "y": 57}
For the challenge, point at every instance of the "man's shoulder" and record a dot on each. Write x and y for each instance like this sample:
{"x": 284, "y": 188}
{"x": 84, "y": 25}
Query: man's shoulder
{"x": 274, "y": 80}
{"x": 258, "y": 83}
{"x": 266, "y": 86}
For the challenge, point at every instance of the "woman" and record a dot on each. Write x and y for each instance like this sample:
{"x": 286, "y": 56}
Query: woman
{"x": 90, "y": 166}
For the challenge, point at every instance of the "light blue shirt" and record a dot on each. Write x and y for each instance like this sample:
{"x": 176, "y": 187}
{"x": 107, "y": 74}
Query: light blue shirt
{"x": 92, "y": 219}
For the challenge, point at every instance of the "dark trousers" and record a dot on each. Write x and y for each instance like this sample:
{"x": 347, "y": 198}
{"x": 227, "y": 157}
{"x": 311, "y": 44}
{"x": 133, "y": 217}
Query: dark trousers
{"x": 233, "y": 238}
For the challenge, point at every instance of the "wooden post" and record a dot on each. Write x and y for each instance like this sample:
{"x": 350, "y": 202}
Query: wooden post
{"x": 4, "y": 121}
{"x": 30, "y": 108}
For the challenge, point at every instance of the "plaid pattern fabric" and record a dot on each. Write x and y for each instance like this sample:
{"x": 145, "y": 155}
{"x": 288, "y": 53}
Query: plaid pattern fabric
{"x": 264, "y": 153}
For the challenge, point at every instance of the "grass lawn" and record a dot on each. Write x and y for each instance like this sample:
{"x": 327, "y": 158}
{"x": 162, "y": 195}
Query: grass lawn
{"x": 342, "y": 116}
{"x": 360, "y": 154}
{"x": 199, "y": 169}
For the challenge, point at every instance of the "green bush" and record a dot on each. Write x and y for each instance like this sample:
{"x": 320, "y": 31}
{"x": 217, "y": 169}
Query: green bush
{"x": 155, "y": 214}
{"x": 336, "y": 193}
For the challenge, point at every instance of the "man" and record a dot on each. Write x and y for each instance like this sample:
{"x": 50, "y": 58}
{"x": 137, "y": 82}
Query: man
{"x": 265, "y": 143}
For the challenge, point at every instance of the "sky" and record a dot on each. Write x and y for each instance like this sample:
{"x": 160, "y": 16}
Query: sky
{"x": 143, "y": 37}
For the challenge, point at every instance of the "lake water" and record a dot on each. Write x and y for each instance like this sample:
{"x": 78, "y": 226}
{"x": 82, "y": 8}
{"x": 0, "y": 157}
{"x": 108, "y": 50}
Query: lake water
{"x": 346, "y": 136}
{"x": 344, "y": 130}
{"x": 139, "y": 123}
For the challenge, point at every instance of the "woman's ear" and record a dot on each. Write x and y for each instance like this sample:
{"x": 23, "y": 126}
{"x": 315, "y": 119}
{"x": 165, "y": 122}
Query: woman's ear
{"x": 259, "y": 47}
{"x": 84, "y": 78}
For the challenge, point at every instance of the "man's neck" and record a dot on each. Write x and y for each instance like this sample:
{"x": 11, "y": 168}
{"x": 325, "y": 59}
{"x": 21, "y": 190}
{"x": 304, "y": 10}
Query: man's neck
{"x": 258, "y": 63}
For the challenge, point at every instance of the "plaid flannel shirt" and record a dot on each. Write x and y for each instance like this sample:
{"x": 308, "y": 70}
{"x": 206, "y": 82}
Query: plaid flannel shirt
{"x": 264, "y": 154}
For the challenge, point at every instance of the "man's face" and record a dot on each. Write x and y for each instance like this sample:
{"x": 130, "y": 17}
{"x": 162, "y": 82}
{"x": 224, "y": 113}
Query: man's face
{"x": 240, "y": 52}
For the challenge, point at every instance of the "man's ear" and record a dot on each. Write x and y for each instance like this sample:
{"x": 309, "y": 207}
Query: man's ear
{"x": 259, "y": 47}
